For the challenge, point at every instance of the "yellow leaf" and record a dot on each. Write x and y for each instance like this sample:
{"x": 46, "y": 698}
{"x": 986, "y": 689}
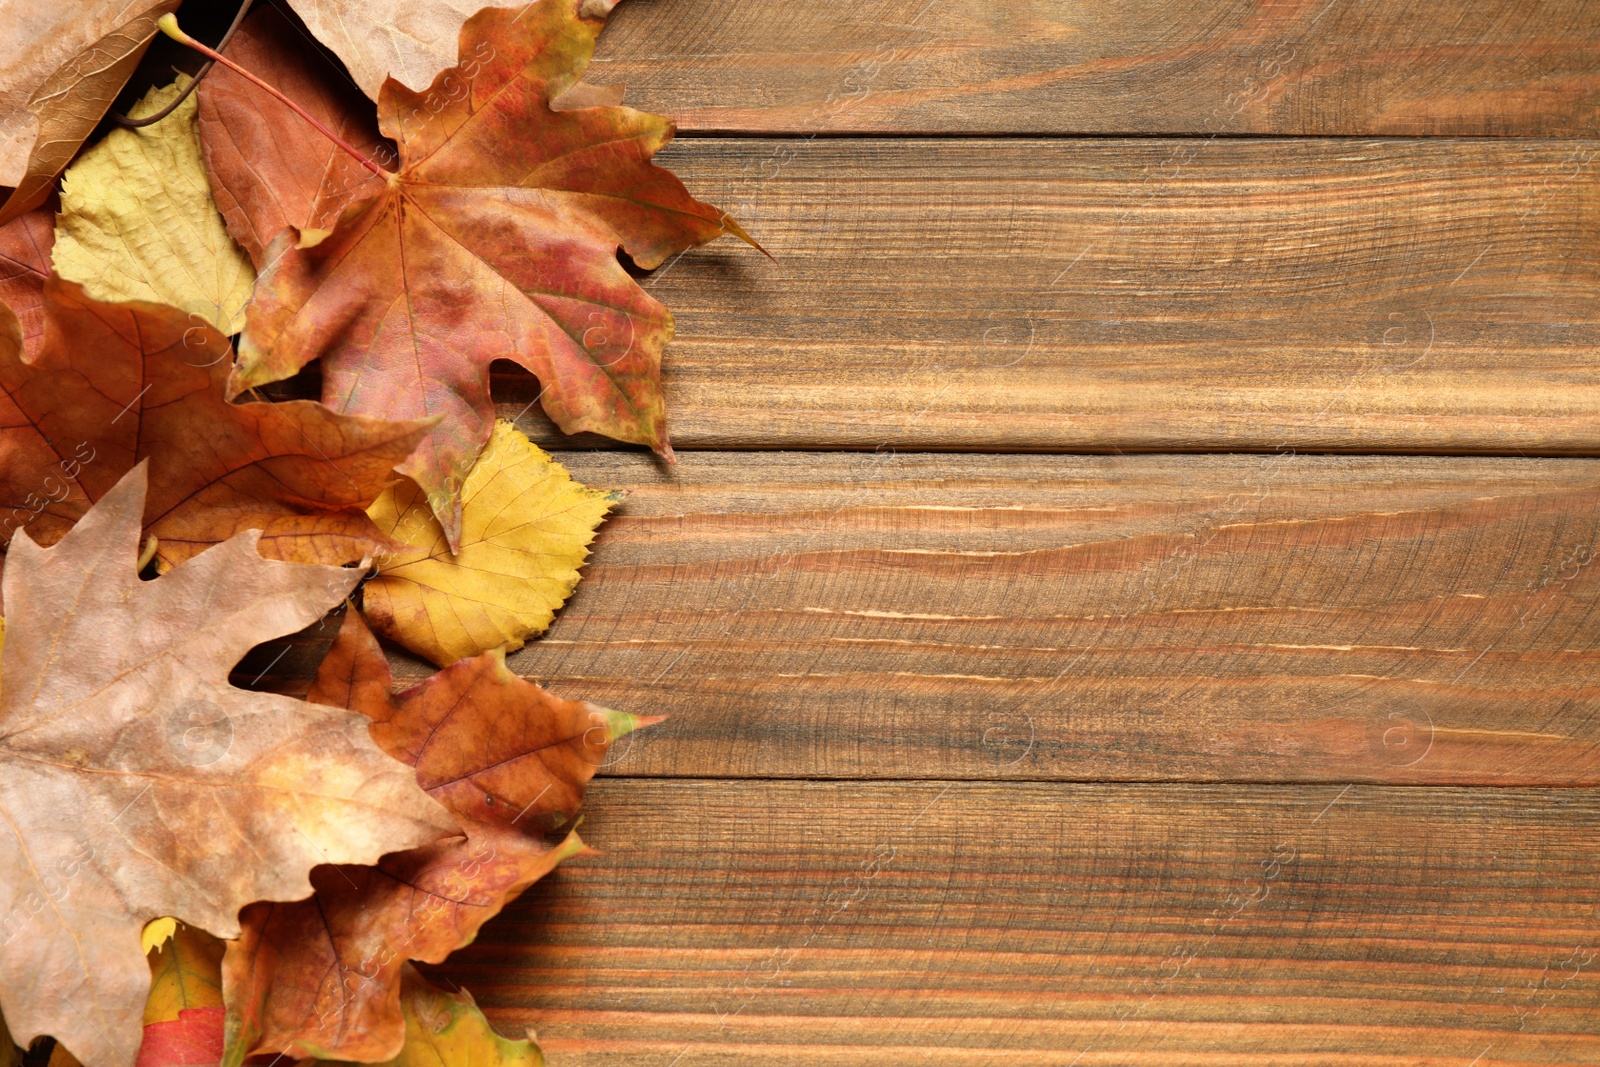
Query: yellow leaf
{"x": 526, "y": 528}
{"x": 185, "y": 972}
{"x": 157, "y": 931}
{"x": 448, "y": 1030}
{"x": 137, "y": 221}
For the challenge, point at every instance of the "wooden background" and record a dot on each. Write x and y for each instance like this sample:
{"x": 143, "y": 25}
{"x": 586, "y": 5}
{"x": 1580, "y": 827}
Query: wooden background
{"x": 1126, "y": 594}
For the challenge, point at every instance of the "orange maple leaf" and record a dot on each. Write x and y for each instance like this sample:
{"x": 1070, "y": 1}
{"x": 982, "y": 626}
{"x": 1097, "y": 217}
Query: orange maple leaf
{"x": 112, "y": 384}
{"x": 509, "y": 759}
{"x": 496, "y": 239}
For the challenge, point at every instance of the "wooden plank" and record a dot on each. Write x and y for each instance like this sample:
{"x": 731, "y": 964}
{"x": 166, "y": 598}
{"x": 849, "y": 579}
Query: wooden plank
{"x": 1218, "y": 618}
{"x": 1166, "y": 295}
{"x": 739, "y": 922}
{"x": 1402, "y": 67}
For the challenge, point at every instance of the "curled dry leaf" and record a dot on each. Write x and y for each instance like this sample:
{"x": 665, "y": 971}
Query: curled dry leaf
{"x": 448, "y": 1030}
{"x": 116, "y": 383}
{"x": 526, "y": 528}
{"x": 510, "y": 760}
{"x": 271, "y": 169}
{"x": 183, "y": 1015}
{"x": 138, "y": 223}
{"x": 24, "y": 265}
{"x": 65, "y": 64}
{"x": 510, "y": 216}
{"x": 136, "y": 783}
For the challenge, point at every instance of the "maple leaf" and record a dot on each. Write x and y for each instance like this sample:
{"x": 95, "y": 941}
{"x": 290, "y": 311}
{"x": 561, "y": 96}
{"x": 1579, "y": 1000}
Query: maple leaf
{"x": 116, "y": 383}
{"x": 526, "y": 527}
{"x": 496, "y": 239}
{"x": 138, "y": 223}
{"x": 183, "y": 1014}
{"x": 65, "y": 64}
{"x": 25, "y": 244}
{"x": 137, "y": 783}
{"x": 449, "y": 1029}
{"x": 270, "y": 170}
{"x": 320, "y": 977}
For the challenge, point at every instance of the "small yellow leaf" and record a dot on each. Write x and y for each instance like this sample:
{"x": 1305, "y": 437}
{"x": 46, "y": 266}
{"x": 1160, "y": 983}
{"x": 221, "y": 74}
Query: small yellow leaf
{"x": 526, "y": 528}
{"x": 137, "y": 221}
{"x": 156, "y": 933}
{"x": 185, "y": 972}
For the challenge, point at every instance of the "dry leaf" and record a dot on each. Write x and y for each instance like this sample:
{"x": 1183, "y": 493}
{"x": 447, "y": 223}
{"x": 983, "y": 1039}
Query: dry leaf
{"x": 116, "y": 383}
{"x": 270, "y": 168}
{"x": 526, "y": 527}
{"x": 183, "y": 1015}
{"x": 137, "y": 221}
{"x": 137, "y": 783}
{"x": 448, "y": 1030}
{"x": 408, "y": 41}
{"x": 510, "y": 760}
{"x": 510, "y": 216}
{"x": 65, "y": 64}
{"x": 24, "y": 265}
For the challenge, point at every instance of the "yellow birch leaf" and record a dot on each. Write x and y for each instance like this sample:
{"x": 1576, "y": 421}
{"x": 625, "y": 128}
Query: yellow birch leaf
{"x": 448, "y": 1030}
{"x": 137, "y": 221}
{"x": 526, "y": 528}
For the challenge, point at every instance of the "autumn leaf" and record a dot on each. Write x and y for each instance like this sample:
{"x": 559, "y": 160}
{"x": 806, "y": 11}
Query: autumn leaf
{"x": 321, "y": 977}
{"x": 526, "y": 527}
{"x": 138, "y": 223}
{"x": 449, "y": 1029}
{"x": 183, "y": 1014}
{"x": 137, "y": 783}
{"x": 509, "y": 216}
{"x": 401, "y": 39}
{"x": 65, "y": 64}
{"x": 25, "y": 244}
{"x": 270, "y": 169}
{"x": 116, "y": 383}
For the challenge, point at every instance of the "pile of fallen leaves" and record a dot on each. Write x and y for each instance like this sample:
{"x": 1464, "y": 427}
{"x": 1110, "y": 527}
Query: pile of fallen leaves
{"x": 192, "y": 872}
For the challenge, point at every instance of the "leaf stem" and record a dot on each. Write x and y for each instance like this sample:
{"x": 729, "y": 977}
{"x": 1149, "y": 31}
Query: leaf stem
{"x": 169, "y": 26}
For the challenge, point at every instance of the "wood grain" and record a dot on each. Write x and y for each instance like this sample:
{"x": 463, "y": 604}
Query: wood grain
{"x": 1438, "y": 296}
{"x": 1404, "y": 67}
{"x": 739, "y": 922}
{"x": 1217, "y": 618}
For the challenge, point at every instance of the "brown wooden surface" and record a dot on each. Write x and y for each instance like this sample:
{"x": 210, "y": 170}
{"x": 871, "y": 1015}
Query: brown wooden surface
{"x": 751, "y": 922}
{"x": 1400, "y": 67}
{"x": 1137, "y": 294}
{"x": 987, "y": 758}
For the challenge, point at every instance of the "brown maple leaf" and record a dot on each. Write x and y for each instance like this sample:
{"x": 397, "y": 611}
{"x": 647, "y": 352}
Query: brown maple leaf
{"x": 271, "y": 170}
{"x": 320, "y": 977}
{"x": 136, "y": 783}
{"x": 496, "y": 239}
{"x": 113, "y": 384}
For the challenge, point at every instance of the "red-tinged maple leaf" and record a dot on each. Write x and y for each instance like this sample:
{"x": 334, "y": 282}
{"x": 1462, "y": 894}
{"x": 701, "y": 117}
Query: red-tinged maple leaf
{"x": 321, "y": 977}
{"x": 496, "y": 239}
{"x": 112, "y": 384}
{"x": 269, "y": 169}
{"x": 25, "y": 244}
